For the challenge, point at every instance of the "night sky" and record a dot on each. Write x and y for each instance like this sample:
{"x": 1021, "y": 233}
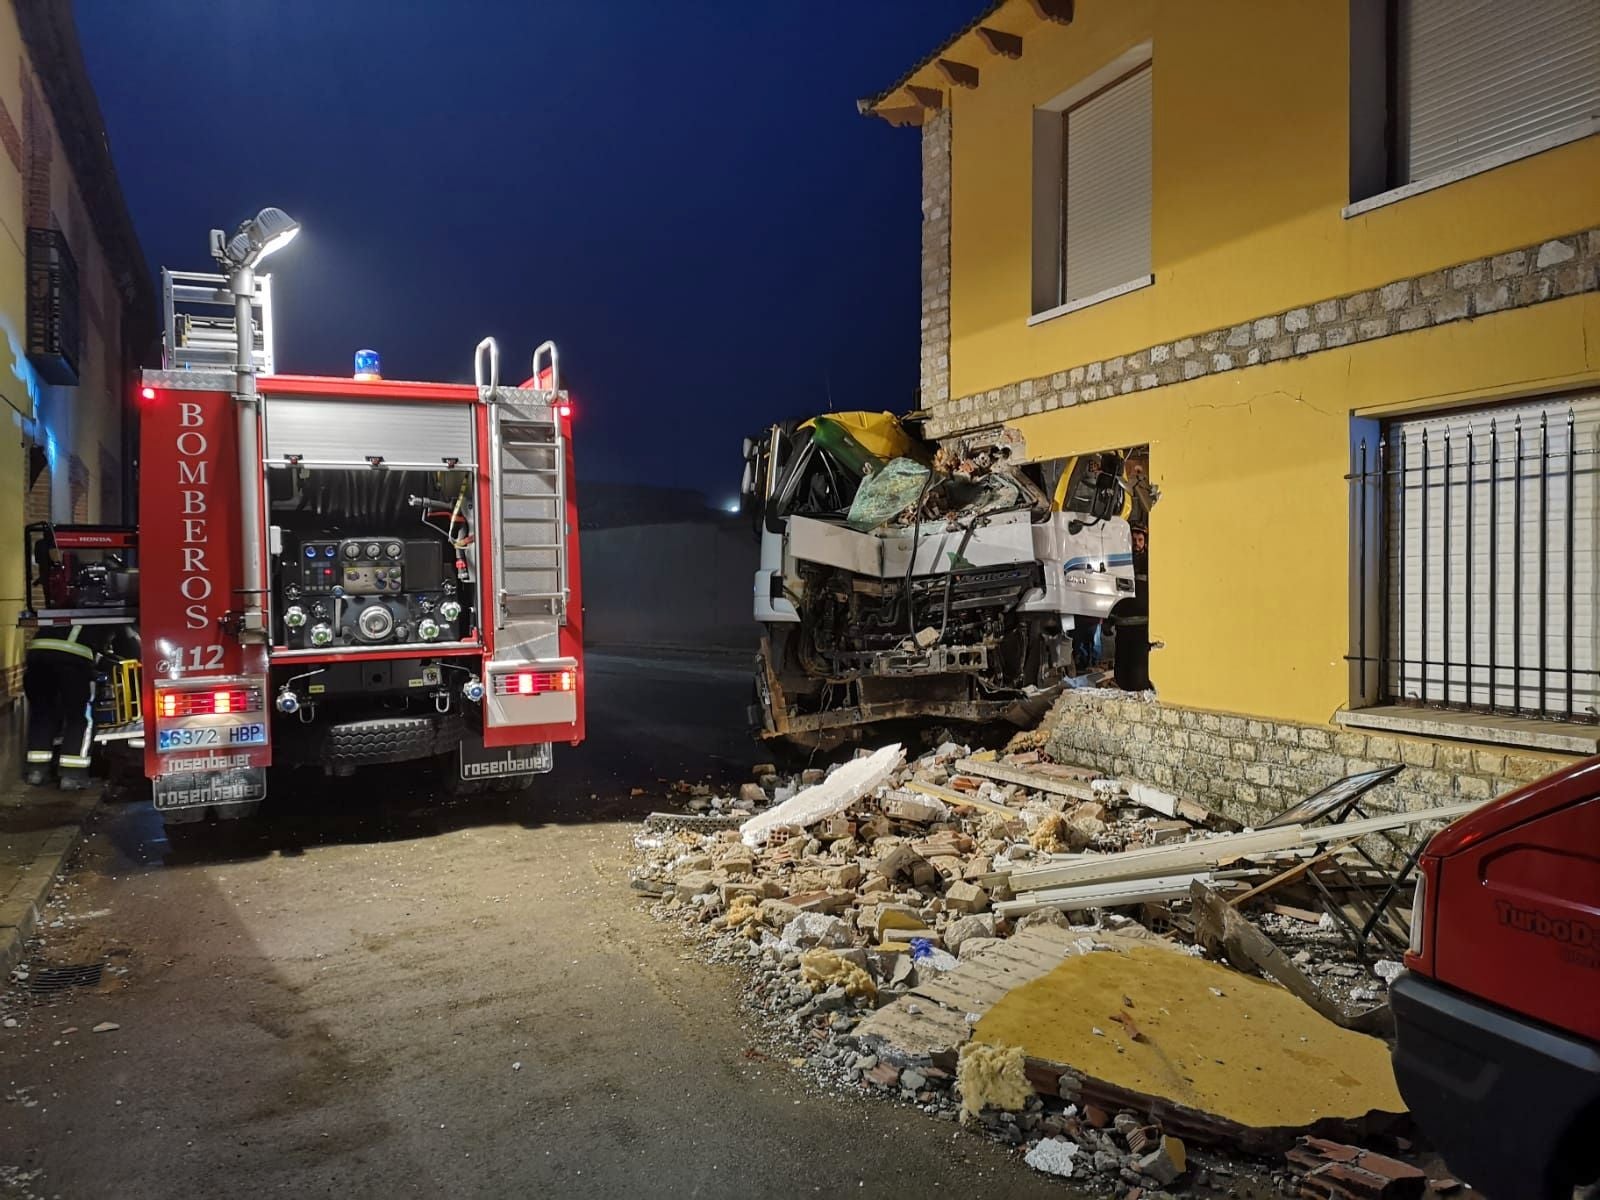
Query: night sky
{"x": 681, "y": 194}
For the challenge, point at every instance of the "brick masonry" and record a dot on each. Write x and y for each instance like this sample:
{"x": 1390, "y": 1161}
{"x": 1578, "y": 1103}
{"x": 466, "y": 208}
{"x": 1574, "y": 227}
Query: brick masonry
{"x": 1250, "y": 768}
{"x": 38, "y": 154}
{"x": 10, "y": 136}
{"x": 935, "y": 375}
{"x": 1547, "y": 270}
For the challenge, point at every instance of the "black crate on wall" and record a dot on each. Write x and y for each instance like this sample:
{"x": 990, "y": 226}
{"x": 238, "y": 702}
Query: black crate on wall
{"x": 54, "y": 316}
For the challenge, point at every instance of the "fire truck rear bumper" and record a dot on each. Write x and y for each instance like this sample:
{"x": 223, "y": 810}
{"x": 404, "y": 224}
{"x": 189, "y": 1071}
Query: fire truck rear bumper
{"x": 1505, "y": 1099}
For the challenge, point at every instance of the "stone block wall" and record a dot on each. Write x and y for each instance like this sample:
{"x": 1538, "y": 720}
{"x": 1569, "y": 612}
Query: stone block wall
{"x": 1250, "y": 769}
{"x": 1548, "y": 270}
{"x": 935, "y": 377}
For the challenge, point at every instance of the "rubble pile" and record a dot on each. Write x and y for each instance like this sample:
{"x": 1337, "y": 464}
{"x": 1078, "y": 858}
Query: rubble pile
{"x": 881, "y": 908}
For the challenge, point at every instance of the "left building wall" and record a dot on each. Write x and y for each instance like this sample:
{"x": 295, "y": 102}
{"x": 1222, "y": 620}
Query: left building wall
{"x": 64, "y": 453}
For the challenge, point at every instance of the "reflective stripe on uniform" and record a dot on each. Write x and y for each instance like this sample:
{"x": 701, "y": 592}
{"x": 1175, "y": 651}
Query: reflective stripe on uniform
{"x": 64, "y": 646}
{"x": 43, "y": 756}
{"x": 74, "y": 760}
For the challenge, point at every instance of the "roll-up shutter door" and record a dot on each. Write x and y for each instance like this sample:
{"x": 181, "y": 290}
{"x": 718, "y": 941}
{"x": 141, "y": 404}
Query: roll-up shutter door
{"x": 1107, "y": 211}
{"x": 331, "y": 432}
{"x": 1493, "y": 547}
{"x": 1474, "y": 77}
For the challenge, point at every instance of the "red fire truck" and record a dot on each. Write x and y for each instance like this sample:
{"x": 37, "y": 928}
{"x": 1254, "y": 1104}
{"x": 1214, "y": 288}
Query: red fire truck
{"x": 341, "y": 572}
{"x": 1497, "y": 1016}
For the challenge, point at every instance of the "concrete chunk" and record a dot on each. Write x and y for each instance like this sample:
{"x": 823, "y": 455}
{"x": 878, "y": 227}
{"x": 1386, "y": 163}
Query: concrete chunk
{"x": 908, "y": 806}
{"x": 966, "y": 897}
{"x": 959, "y": 931}
{"x": 837, "y": 792}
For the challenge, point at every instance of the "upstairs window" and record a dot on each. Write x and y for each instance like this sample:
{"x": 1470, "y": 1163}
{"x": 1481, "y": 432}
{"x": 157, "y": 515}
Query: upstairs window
{"x": 1106, "y": 217}
{"x": 1091, "y": 237}
{"x": 1446, "y": 88}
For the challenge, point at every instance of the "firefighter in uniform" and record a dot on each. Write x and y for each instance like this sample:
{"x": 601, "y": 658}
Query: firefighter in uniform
{"x": 59, "y": 683}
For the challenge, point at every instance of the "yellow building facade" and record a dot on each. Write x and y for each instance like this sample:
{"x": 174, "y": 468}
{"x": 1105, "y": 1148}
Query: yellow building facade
{"x": 66, "y": 378}
{"x": 1319, "y": 235}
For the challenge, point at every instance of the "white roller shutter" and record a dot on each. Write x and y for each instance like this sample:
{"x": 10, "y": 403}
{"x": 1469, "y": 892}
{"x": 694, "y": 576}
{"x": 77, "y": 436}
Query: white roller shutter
{"x": 1491, "y": 564}
{"x": 1474, "y": 77}
{"x": 1107, "y": 208}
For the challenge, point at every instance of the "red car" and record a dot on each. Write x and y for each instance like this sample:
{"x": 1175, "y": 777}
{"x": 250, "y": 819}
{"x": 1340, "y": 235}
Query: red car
{"x": 1498, "y": 1013}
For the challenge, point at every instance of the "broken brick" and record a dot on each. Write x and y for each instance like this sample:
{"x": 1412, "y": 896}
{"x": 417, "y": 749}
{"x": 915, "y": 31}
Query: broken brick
{"x": 966, "y": 898}
{"x": 885, "y": 1075}
{"x": 1335, "y": 1171}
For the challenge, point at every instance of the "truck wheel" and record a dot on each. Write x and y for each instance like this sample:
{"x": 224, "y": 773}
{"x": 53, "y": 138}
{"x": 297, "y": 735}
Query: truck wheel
{"x": 390, "y": 740}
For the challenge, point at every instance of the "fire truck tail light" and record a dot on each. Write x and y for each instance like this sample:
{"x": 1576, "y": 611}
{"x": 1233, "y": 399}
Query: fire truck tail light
{"x": 216, "y": 702}
{"x": 564, "y": 409}
{"x": 532, "y": 683}
{"x": 148, "y": 393}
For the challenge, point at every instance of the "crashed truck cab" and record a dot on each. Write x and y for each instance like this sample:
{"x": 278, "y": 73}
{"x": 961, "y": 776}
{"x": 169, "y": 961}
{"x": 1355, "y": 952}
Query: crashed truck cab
{"x": 416, "y": 546}
{"x": 902, "y": 579}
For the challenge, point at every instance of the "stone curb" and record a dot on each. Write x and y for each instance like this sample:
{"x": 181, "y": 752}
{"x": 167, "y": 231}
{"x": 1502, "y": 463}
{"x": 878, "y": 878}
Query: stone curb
{"x": 20, "y": 908}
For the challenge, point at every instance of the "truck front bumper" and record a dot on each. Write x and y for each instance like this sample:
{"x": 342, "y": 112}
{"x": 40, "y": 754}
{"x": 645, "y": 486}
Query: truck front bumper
{"x": 1504, "y": 1099}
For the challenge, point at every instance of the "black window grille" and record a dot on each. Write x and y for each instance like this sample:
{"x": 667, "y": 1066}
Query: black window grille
{"x": 54, "y": 316}
{"x": 1475, "y": 561}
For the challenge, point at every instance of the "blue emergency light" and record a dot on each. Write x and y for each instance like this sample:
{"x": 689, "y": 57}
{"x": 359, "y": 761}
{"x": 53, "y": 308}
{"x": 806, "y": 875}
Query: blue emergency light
{"x": 368, "y": 366}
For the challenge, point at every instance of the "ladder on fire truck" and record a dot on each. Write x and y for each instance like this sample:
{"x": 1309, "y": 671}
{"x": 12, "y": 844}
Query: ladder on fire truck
{"x": 198, "y": 325}
{"x": 528, "y": 490}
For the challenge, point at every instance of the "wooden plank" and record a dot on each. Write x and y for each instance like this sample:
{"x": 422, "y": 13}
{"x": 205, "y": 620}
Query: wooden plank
{"x": 1219, "y": 927}
{"x": 1106, "y": 895}
{"x": 1296, "y": 914}
{"x": 1028, "y": 779}
{"x": 1168, "y": 804}
{"x": 1154, "y": 861}
{"x": 1289, "y": 876}
{"x": 952, "y": 797}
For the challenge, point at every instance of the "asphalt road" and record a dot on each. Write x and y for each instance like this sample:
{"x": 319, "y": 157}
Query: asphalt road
{"x": 371, "y": 991}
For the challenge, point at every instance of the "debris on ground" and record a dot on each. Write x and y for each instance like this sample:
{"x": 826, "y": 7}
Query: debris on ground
{"x": 992, "y": 1076}
{"x": 1342, "y": 1172}
{"x": 1253, "y": 1057}
{"x": 1106, "y": 974}
{"x": 1053, "y": 1156}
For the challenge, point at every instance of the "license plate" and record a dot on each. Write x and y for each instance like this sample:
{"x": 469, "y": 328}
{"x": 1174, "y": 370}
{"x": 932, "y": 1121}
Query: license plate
{"x": 208, "y": 737}
{"x": 194, "y": 789}
{"x": 503, "y": 762}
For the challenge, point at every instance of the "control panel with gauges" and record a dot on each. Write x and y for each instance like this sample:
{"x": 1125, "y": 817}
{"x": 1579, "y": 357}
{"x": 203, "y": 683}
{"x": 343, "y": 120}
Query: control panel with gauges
{"x": 368, "y": 591}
